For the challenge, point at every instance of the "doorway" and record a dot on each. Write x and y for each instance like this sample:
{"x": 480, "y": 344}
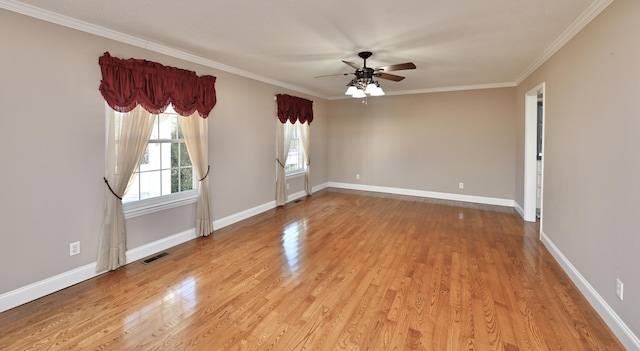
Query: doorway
{"x": 534, "y": 153}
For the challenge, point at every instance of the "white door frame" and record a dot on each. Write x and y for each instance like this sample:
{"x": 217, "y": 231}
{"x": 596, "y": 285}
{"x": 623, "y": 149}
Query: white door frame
{"x": 530, "y": 149}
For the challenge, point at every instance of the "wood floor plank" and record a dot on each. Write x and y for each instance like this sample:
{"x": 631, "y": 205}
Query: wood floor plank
{"x": 341, "y": 270}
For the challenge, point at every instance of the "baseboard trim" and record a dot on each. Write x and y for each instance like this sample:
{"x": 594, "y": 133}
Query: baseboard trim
{"x": 66, "y": 279}
{"x": 160, "y": 245}
{"x": 242, "y": 215}
{"x": 428, "y": 194}
{"x": 45, "y": 287}
{"x": 518, "y": 208}
{"x": 610, "y": 317}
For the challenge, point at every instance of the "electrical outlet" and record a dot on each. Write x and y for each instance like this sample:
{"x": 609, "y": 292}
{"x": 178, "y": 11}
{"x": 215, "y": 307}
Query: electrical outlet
{"x": 619, "y": 289}
{"x": 74, "y": 248}
{"x": 461, "y": 185}
{"x": 357, "y": 176}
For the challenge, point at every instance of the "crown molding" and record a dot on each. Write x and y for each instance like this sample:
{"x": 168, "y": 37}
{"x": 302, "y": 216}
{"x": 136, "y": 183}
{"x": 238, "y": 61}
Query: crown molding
{"x": 587, "y": 16}
{"x": 56, "y": 18}
{"x": 440, "y": 90}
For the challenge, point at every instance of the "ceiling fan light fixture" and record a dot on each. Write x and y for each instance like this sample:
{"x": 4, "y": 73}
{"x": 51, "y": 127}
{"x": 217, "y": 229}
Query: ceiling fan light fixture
{"x": 378, "y": 91}
{"x": 359, "y": 94}
{"x": 371, "y": 88}
{"x": 351, "y": 90}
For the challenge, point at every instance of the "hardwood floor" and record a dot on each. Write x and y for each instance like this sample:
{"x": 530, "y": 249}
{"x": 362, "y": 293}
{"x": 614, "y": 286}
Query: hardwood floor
{"x": 339, "y": 270}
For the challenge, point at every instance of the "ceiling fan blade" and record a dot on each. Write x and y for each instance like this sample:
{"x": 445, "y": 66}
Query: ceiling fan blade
{"x": 332, "y": 75}
{"x": 397, "y": 67}
{"x": 352, "y": 65}
{"x": 388, "y": 76}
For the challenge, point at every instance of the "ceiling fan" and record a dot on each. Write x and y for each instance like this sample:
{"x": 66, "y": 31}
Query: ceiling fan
{"x": 364, "y": 81}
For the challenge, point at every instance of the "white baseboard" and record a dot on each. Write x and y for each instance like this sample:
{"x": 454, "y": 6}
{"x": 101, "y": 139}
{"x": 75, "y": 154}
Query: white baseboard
{"x": 50, "y": 285}
{"x": 429, "y": 194}
{"x": 242, "y": 215}
{"x": 160, "y": 245}
{"x": 320, "y": 187}
{"x": 518, "y": 208}
{"x": 617, "y": 325}
{"x": 45, "y": 287}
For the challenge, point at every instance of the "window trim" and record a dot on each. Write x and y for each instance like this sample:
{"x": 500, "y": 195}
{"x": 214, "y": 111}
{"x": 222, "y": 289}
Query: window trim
{"x": 159, "y": 203}
{"x": 296, "y": 173}
{"x": 303, "y": 169}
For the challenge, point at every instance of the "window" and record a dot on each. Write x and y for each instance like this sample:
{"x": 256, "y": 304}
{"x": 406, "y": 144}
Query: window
{"x": 165, "y": 168}
{"x": 295, "y": 159}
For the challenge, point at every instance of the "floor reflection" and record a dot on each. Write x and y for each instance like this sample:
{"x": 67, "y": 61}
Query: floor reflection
{"x": 177, "y": 300}
{"x": 292, "y": 243}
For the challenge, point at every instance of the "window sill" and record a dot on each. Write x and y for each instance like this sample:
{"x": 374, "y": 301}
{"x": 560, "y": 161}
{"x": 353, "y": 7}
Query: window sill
{"x": 148, "y": 206}
{"x": 295, "y": 174}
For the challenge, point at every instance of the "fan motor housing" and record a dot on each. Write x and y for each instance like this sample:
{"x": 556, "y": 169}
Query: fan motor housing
{"x": 365, "y": 73}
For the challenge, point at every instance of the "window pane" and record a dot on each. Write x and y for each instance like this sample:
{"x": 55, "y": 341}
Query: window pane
{"x": 149, "y": 184}
{"x": 175, "y": 180}
{"x": 184, "y": 155}
{"x": 152, "y": 158}
{"x": 176, "y": 132}
{"x": 145, "y": 157}
{"x": 165, "y": 126}
{"x": 175, "y": 155}
{"x": 180, "y": 135}
{"x": 134, "y": 190}
{"x": 166, "y": 181}
{"x": 154, "y": 131}
{"x": 186, "y": 179}
{"x": 293, "y": 159}
{"x": 166, "y": 156}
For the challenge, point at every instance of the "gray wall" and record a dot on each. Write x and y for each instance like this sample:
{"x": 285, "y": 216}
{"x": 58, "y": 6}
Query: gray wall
{"x": 53, "y": 143}
{"x": 428, "y": 142}
{"x": 592, "y": 153}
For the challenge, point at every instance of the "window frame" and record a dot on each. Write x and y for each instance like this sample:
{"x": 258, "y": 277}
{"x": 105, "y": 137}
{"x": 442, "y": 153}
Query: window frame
{"x": 159, "y": 203}
{"x": 301, "y": 170}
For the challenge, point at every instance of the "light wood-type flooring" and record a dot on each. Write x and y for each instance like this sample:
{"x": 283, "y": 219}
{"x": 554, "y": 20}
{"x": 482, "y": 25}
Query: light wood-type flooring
{"x": 341, "y": 270}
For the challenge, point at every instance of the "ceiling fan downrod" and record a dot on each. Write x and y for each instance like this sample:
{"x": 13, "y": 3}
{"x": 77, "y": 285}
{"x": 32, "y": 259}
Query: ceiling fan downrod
{"x": 365, "y": 55}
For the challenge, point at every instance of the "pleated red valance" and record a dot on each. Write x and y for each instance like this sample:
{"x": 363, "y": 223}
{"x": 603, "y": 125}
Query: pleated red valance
{"x": 131, "y": 82}
{"x": 292, "y": 108}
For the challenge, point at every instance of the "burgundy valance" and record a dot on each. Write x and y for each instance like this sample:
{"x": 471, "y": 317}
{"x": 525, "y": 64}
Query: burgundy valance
{"x": 293, "y": 108}
{"x": 131, "y": 82}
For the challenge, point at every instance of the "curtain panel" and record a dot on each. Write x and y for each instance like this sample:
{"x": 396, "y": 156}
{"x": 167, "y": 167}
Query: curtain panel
{"x": 127, "y": 140}
{"x": 196, "y": 137}
{"x": 293, "y": 108}
{"x": 131, "y": 82}
{"x": 304, "y": 134}
{"x": 284, "y": 133}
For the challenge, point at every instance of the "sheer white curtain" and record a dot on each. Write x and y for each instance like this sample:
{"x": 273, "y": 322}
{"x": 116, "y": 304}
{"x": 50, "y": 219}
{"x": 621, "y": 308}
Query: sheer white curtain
{"x": 127, "y": 138}
{"x": 196, "y": 136}
{"x": 284, "y": 132}
{"x": 304, "y": 135}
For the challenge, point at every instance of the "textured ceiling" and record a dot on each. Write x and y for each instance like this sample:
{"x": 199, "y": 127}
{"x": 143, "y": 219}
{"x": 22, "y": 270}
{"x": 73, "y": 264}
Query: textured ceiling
{"x": 454, "y": 44}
